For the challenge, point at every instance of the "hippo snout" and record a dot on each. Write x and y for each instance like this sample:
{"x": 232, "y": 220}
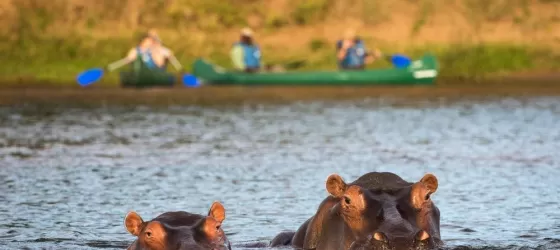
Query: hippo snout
{"x": 420, "y": 240}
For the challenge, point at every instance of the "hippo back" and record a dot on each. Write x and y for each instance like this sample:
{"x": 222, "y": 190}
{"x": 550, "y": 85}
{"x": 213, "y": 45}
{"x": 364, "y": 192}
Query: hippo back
{"x": 178, "y": 218}
{"x": 383, "y": 181}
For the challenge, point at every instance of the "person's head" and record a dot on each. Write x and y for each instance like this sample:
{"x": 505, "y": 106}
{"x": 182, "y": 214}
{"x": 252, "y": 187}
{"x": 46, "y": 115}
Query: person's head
{"x": 146, "y": 41}
{"x": 155, "y": 37}
{"x": 350, "y": 35}
{"x": 246, "y": 36}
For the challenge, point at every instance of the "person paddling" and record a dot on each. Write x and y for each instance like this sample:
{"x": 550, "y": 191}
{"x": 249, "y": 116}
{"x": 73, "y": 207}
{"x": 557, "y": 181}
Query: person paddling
{"x": 352, "y": 52}
{"x": 245, "y": 54}
{"x": 143, "y": 52}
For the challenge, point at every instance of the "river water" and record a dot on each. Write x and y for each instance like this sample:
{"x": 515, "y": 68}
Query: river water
{"x": 69, "y": 175}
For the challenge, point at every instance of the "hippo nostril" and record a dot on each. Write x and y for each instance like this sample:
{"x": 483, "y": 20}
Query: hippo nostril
{"x": 380, "y": 237}
{"x": 422, "y": 235}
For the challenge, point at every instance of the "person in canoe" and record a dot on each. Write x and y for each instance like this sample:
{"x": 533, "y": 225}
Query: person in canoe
{"x": 144, "y": 68}
{"x": 142, "y": 53}
{"x": 352, "y": 53}
{"x": 162, "y": 55}
{"x": 245, "y": 54}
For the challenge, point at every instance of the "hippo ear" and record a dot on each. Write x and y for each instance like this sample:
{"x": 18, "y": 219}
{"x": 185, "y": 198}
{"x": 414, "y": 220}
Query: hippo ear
{"x": 422, "y": 190}
{"x": 431, "y": 182}
{"x": 133, "y": 223}
{"x": 336, "y": 185}
{"x": 217, "y": 211}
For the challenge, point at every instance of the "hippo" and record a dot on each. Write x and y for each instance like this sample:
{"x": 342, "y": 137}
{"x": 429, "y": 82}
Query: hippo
{"x": 179, "y": 231}
{"x": 379, "y": 210}
{"x": 401, "y": 218}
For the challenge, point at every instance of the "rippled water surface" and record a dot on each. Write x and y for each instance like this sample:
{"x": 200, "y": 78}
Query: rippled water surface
{"x": 68, "y": 176}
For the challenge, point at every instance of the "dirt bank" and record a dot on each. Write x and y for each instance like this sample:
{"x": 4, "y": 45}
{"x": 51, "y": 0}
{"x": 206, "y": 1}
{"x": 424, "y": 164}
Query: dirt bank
{"x": 258, "y": 95}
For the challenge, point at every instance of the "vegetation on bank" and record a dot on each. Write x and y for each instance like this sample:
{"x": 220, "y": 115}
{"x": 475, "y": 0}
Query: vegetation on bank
{"x": 54, "y": 41}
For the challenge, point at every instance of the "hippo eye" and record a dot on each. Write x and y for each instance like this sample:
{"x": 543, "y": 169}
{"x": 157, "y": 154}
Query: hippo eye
{"x": 347, "y": 200}
{"x": 149, "y": 234}
{"x": 218, "y": 227}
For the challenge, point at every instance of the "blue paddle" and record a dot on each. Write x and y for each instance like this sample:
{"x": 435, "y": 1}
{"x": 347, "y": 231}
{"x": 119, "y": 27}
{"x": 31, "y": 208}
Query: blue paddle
{"x": 191, "y": 81}
{"x": 89, "y": 76}
{"x": 400, "y": 61}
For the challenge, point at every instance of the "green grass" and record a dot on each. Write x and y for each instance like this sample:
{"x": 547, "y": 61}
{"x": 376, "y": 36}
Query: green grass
{"x": 60, "y": 60}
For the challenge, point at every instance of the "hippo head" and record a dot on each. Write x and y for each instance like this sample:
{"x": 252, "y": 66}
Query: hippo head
{"x": 203, "y": 234}
{"x": 396, "y": 218}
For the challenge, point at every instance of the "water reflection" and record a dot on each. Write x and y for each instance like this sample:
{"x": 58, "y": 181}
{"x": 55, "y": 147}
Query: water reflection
{"x": 68, "y": 176}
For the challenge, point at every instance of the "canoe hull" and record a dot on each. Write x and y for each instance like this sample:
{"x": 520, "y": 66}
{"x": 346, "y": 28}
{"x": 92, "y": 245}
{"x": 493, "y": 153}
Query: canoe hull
{"x": 422, "y": 72}
{"x": 146, "y": 79}
{"x": 138, "y": 75}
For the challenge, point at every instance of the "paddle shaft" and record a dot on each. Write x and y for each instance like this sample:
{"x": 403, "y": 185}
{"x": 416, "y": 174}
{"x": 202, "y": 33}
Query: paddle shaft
{"x": 118, "y": 64}
{"x": 175, "y": 62}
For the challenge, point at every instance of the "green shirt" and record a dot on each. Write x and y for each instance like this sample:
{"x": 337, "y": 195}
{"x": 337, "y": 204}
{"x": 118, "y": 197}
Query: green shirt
{"x": 237, "y": 59}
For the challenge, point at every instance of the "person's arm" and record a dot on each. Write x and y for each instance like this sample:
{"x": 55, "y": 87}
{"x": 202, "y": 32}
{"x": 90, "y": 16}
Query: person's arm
{"x": 378, "y": 53}
{"x": 372, "y": 56}
{"x": 132, "y": 54}
{"x": 237, "y": 57}
{"x": 175, "y": 62}
{"x": 169, "y": 54}
{"x": 368, "y": 56}
{"x": 343, "y": 47}
{"x": 130, "y": 57}
{"x": 341, "y": 54}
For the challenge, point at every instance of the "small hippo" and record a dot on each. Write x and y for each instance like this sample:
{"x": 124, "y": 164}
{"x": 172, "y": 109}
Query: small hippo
{"x": 179, "y": 231}
{"x": 397, "y": 208}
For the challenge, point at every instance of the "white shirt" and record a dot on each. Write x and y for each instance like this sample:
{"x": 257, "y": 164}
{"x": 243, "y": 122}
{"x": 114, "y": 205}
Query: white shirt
{"x": 165, "y": 53}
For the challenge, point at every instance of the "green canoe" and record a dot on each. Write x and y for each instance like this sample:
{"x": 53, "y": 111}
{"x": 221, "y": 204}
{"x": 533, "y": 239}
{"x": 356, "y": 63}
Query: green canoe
{"x": 140, "y": 76}
{"x": 422, "y": 71}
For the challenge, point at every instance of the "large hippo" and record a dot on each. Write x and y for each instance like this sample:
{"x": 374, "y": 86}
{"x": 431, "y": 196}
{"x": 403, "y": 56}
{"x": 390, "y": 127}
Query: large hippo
{"x": 379, "y": 210}
{"x": 179, "y": 231}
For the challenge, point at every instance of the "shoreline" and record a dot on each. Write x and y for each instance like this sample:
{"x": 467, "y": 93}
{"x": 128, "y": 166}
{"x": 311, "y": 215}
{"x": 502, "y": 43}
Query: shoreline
{"x": 235, "y": 95}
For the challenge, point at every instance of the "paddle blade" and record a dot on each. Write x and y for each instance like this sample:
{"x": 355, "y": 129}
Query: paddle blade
{"x": 89, "y": 76}
{"x": 400, "y": 61}
{"x": 191, "y": 81}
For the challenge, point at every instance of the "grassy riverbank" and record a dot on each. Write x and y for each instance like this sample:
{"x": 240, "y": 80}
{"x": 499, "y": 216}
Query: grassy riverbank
{"x": 458, "y": 61}
{"x": 473, "y": 39}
